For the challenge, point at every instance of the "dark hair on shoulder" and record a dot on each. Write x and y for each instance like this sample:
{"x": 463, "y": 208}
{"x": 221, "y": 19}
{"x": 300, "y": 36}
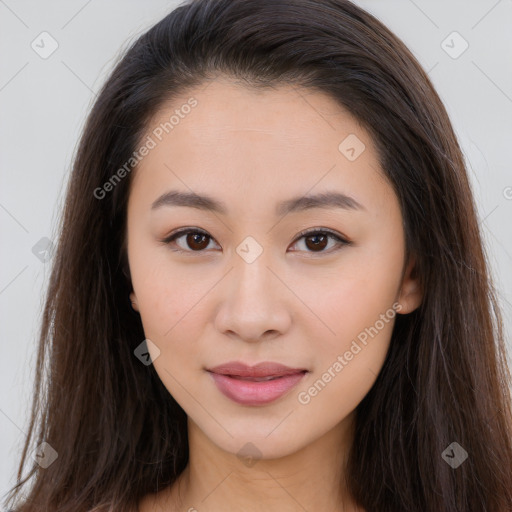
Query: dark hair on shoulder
{"x": 119, "y": 434}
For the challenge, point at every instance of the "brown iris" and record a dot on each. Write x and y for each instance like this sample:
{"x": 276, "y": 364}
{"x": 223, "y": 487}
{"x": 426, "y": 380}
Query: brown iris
{"x": 316, "y": 244}
{"x": 196, "y": 241}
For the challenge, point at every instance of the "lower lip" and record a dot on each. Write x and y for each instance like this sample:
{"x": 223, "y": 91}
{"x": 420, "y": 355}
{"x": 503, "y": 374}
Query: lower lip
{"x": 248, "y": 392}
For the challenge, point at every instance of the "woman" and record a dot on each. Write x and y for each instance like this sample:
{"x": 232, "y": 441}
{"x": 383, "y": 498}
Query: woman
{"x": 270, "y": 290}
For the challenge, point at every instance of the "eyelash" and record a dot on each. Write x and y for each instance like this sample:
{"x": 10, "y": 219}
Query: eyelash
{"x": 315, "y": 231}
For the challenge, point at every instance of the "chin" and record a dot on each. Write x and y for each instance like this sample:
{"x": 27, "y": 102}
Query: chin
{"x": 253, "y": 445}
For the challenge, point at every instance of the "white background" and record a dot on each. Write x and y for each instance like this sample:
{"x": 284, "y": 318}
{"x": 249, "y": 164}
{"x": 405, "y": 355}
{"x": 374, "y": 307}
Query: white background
{"x": 43, "y": 104}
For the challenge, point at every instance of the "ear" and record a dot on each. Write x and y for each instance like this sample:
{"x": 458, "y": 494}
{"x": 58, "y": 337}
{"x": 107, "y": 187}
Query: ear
{"x": 133, "y": 299}
{"x": 410, "y": 295}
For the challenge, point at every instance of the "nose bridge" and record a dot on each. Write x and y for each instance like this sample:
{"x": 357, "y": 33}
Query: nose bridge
{"x": 253, "y": 302}
{"x": 252, "y": 279}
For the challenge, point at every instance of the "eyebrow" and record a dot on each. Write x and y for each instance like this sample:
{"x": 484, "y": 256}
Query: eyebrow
{"x": 326, "y": 200}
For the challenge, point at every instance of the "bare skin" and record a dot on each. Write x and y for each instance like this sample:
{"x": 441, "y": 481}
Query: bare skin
{"x": 293, "y": 304}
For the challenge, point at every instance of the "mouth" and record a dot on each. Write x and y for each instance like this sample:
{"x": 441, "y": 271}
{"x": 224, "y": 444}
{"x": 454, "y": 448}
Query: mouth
{"x": 255, "y": 385}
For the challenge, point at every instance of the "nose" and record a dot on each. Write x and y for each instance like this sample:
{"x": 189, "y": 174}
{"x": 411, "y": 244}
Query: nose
{"x": 255, "y": 302}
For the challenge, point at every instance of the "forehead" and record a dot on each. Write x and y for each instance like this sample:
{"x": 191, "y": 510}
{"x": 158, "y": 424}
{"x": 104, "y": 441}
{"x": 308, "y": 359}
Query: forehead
{"x": 224, "y": 105}
{"x": 279, "y": 141}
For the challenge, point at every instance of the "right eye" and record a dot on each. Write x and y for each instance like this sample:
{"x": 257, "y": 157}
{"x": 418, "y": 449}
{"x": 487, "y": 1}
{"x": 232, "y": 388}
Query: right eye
{"x": 195, "y": 239}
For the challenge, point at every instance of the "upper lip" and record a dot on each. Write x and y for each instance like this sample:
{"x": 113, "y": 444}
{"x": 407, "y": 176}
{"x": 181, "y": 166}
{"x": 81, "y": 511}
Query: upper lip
{"x": 264, "y": 369}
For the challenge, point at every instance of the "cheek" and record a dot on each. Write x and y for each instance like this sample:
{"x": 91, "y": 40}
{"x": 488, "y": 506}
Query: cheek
{"x": 353, "y": 296}
{"x": 347, "y": 361}
{"x": 165, "y": 292}
{"x": 170, "y": 309}
{"x": 360, "y": 326}
{"x": 355, "y": 305}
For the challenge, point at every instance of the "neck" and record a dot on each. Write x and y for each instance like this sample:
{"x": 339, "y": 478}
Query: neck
{"x": 311, "y": 478}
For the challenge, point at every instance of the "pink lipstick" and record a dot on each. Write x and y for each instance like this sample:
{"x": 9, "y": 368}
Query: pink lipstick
{"x": 255, "y": 385}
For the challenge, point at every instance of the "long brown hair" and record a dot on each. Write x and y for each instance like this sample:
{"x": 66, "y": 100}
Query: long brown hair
{"x": 118, "y": 433}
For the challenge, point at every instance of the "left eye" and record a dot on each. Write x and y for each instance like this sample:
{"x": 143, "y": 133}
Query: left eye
{"x": 318, "y": 239}
{"x": 198, "y": 240}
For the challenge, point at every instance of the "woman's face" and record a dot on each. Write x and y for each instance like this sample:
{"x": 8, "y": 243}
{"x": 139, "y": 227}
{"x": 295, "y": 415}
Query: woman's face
{"x": 248, "y": 287}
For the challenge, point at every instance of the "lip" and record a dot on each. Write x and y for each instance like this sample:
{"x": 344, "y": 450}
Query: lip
{"x": 236, "y": 381}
